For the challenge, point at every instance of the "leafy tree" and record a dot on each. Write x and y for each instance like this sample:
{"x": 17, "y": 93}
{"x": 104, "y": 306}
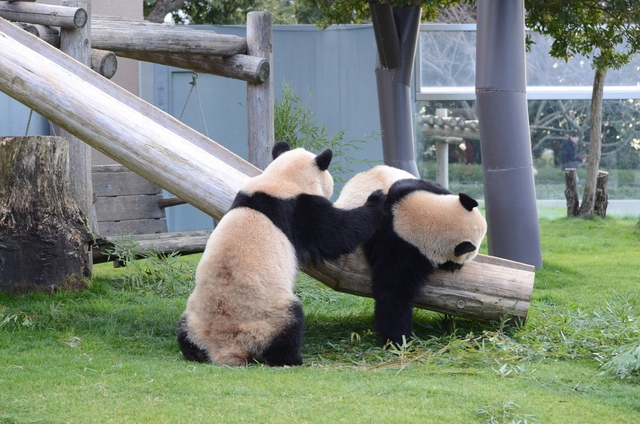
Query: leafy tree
{"x": 221, "y": 12}
{"x": 606, "y": 32}
{"x": 155, "y": 11}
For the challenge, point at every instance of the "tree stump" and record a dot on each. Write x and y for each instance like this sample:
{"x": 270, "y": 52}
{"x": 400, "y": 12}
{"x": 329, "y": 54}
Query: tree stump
{"x": 571, "y": 191}
{"x": 44, "y": 236}
{"x": 602, "y": 194}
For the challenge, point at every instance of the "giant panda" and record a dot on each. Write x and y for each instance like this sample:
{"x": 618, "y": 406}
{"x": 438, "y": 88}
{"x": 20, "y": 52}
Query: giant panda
{"x": 426, "y": 227}
{"x": 243, "y": 306}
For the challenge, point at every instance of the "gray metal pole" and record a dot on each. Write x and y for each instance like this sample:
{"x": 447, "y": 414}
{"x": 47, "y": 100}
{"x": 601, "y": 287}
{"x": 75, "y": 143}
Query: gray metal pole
{"x": 397, "y": 30}
{"x": 507, "y": 162}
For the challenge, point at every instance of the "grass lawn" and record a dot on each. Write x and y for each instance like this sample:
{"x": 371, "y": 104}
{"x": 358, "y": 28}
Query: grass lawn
{"x": 108, "y": 354}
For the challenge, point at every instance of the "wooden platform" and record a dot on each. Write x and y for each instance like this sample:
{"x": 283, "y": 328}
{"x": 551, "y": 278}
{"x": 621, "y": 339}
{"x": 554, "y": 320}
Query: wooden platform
{"x": 127, "y": 205}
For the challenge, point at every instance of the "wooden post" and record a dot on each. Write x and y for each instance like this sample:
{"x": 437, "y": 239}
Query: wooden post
{"x": 76, "y": 42}
{"x": 571, "y": 191}
{"x": 260, "y": 97}
{"x": 602, "y": 194}
{"x": 442, "y": 156}
{"x": 43, "y": 234}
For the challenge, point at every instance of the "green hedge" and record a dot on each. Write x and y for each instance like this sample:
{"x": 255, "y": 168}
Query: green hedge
{"x": 550, "y": 184}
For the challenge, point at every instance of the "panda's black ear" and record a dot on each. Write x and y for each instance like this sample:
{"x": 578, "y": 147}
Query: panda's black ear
{"x": 464, "y": 247}
{"x": 279, "y": 148}
{"x": 468, "y": 202}
{"x": 324, "y": 159}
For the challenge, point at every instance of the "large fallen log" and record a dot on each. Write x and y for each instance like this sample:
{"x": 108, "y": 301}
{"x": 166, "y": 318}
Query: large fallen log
{"x": 130, "y": 131}
{"x": 486, "y": 289}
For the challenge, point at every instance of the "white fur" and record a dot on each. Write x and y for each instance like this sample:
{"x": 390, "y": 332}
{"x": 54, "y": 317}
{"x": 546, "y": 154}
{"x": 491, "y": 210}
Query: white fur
{"x": 245, "y": 279}
{"x": 436, "y": 224}
{"x": 357, "y": 189}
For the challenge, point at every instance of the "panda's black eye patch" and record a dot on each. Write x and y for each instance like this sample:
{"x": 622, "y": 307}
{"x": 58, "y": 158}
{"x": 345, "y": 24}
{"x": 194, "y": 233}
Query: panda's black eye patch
{"x": 464, "y": 247}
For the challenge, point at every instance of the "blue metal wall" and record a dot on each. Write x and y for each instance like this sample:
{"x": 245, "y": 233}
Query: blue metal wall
{"x": 335, "y": 66}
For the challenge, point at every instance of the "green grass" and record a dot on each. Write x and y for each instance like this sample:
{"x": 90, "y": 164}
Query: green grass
{"x": 108, "y": 354}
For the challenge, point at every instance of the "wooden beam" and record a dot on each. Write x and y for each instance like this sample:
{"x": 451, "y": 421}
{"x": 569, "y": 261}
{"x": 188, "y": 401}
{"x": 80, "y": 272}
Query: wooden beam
{"x": 44, "y": 14}
{"x": 260, "y": 97}
{"x": 157, "y": 38}
{"x": 239, "y": 66}
{"x": 103, "y": 62}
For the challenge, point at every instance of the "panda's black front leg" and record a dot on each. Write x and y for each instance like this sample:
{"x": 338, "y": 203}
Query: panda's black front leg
{"x": 398, "y": 270}
{"x": 326, "y": 232}
{"x": 393, "y": 312}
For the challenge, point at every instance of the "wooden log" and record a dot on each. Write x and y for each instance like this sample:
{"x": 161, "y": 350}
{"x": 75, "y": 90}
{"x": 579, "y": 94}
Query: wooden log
{"x": 260, "y": 97}
{"x": 602, "y": 194}
{"x": 158, "y": 38}
{"x": 45, "y": 33}
{"x": 114, "y": 126}
{"x": 104, "y": 62}
{"x": 571, "y": 191}
{"x": 43, "y": 232}
{"x": 44, "y": 14}
{"x": 170, "y": 201}
{"x": 184, "y": 243}
{"x": 486, "y": 289}
{"x": 121, "y": 95}
{"x": 239, "y": 66}
{"x": 442, "y": 155}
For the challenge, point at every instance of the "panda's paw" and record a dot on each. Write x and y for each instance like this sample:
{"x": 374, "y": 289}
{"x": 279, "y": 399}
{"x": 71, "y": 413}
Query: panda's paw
{"x": 377, "y": 198}
{"x": 450, "y": 266}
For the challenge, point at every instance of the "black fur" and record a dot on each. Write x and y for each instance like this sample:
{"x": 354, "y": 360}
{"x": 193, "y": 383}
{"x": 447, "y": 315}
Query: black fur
{"x": 398, "y": 268}
{"x": 190, "y": 351}
{"x": 464, "y": 247}
{"x": 396, "y": 280}
{"x": 279, "y": 148}
{"x": 324, "y": 159}
{"x": 285, "y": 348}
{"x": 318, "y": 230}
{"x": 468, "y": 202}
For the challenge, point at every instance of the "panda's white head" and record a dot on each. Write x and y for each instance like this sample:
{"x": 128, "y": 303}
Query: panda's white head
{"x": 444, "y": 227}
{"x": 294, "y": 172}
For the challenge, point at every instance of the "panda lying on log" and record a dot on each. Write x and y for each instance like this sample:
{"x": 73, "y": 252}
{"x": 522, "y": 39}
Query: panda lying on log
{"x": 426, "y": 227}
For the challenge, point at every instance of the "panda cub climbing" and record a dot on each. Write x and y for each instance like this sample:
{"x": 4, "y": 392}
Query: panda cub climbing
{"x": 243, "y": 306}
{"x": 426, "y": 227}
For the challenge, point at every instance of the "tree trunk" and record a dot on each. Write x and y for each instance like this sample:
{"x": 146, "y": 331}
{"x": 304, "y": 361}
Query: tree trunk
{"x": 595, "y": 143}
{"x": 44, "y": 236}
{"x": 396, "y": 30}
{"x": 571, "y": 191}
{"x": 602, "y": 194}
{"x": 163, "y": 7}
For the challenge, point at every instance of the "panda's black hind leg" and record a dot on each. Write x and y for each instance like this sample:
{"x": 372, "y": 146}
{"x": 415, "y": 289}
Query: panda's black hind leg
{"x": 285, "y": 348}
{"x": 189, "y": 350}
